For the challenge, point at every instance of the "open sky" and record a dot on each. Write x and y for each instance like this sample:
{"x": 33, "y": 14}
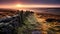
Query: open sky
{"x": 30, "y": 2}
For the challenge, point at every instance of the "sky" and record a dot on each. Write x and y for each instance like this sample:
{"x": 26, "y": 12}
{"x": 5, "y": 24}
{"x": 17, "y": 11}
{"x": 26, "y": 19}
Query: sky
{"x": 30, "y": 2}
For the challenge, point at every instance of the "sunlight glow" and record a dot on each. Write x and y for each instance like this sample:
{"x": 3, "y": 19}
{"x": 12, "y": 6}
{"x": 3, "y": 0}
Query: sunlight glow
{"x": 18, "y": 5}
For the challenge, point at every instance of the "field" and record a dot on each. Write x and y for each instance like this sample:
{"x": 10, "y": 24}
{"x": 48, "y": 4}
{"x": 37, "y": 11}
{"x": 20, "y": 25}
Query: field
{"x": 28, "y": 22}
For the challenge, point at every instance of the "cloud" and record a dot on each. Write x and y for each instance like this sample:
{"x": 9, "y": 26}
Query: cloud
{"x": 31, "y": 1}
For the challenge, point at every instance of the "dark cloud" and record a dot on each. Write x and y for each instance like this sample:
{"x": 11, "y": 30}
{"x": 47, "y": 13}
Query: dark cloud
{"x": 6, "y": 1}
{"x": 42, "y": 1}
{"x": 31, "y": 1}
